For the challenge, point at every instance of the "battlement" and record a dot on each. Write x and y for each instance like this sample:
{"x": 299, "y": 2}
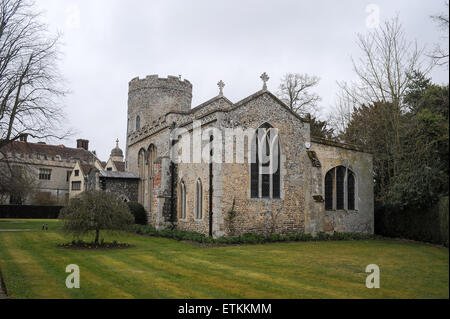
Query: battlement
{"x": 155, "y": 82}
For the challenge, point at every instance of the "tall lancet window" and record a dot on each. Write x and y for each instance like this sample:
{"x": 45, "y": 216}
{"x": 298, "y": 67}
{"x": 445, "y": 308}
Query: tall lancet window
{"x": 138, "y": 123}
{"x": 199, "y": 200}
{"x": 182, "y": 200}
{"x": 265, "y": 165}
{"x": 141, "y": 166}
{"x": 151, "y": 174}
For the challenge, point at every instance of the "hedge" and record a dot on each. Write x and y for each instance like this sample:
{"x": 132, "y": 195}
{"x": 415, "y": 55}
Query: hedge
{"x": 139, "y": 213}
{"x": 29, "y": 211}
{"x": 428, "y": 225}
{"x": 248, "y": 238}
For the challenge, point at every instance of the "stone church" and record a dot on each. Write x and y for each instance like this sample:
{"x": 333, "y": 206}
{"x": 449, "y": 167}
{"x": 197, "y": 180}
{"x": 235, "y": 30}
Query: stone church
{"x": 220, "y": 185}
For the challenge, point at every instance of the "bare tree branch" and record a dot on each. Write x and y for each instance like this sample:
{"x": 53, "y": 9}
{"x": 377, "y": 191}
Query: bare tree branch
{"x": 440, "y": 53}
{"x": 295, "y": 89}
{"x": 30, "y": 82}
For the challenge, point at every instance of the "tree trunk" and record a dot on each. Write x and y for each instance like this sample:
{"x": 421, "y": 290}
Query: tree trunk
{"x": 97, "y": 233}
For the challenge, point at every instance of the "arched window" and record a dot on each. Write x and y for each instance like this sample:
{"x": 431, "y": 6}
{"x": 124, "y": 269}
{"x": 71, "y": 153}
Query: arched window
{"x": 340, "y": 186}
{"x": 151, "y": 173}
{"x": 182, "y": 200}
{"x": 351, "y": 190}
{"x": 138, "y": 123}
{"x": 199, "y": 200}
{"x": 265, "y": 164}
{"x": 141, "y": 166}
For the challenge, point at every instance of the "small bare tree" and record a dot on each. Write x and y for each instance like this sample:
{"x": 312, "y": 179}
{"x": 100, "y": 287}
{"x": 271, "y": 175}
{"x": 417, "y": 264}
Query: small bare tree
{"x": 295, "y": 91}
{"x": 30, "y": 83}
{"x": 440, "y": 53}
{"x": 17, "y": 182}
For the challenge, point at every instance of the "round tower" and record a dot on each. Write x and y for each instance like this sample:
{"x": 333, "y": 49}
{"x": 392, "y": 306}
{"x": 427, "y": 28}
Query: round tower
{"x": 153, "y": 97}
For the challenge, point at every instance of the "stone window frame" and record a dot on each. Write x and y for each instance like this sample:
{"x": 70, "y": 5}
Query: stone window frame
{"x": 345, "y": 186}
{"x": 281, "y": 171}
{"x": 151, "y": 159}
{"x": 45, "y": 174}
{"x": 78, "y": 183}
{"x": 198, "y": 214}
{"x": 142, "y": 180}
{"x": 182, "y": 200}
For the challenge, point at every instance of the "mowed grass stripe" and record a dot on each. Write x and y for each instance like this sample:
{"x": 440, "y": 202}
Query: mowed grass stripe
{"x": 193, "y": 282}
{"x": 34, "y": 275}
{"x": 147, "y": 282}
{"x": 164, "y": 268}
{"x": 282, "y": 284}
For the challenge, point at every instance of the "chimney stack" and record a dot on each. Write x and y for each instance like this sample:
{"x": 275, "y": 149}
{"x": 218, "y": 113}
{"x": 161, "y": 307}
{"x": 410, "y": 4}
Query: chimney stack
{"x": 23, "y": 137}
{"x": 83, "y": 144}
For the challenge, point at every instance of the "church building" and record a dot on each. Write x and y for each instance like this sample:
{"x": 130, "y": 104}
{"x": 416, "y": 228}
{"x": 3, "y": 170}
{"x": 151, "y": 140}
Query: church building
{"x": 225, "y": 168}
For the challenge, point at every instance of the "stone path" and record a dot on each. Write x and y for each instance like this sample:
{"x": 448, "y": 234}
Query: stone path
{"x": 6, "y": 230}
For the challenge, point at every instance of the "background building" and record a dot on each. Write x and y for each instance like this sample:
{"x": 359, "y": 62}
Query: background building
{"x": 47, "y": 168}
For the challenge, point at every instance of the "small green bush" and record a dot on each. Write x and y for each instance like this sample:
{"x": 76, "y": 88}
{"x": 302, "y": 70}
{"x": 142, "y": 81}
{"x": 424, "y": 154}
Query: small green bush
{"x": 138, "y": 211}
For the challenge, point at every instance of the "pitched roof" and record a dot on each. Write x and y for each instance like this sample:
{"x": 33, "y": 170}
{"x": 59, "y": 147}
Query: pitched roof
{"x": 86, "y": 168}
{"x": 120, "y": 166}
{"x": 327, "y": 142}
{"x": 51, "y": 151}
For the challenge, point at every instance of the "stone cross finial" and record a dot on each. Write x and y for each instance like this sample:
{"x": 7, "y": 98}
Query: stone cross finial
{"x": 221, "y": 85}
{"x": 265, "y": 78}
{"x": 117, "y": 143}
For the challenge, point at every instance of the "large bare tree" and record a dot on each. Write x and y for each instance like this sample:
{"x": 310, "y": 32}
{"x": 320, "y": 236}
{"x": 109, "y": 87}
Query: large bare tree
{"x": 295, "y": 91}
{"x": 384, "y": 69}
{"x": 30, "y": 82}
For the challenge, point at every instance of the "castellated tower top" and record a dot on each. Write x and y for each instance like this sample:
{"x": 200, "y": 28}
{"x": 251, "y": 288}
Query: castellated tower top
{"x": 152, "y": 97}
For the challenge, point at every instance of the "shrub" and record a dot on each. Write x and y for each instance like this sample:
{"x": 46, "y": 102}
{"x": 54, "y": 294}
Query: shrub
{"x": 95, "y": 211}
{"x": 248, "y": 238}
{"x": 139, "y": 213}
{"x": 29, "y": 211}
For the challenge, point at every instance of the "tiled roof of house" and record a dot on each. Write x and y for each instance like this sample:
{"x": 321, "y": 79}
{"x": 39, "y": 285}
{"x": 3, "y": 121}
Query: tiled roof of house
{"x": 86, "y": 168}
{"x": 120, "y": 166}
{"x": 50, "y": 151}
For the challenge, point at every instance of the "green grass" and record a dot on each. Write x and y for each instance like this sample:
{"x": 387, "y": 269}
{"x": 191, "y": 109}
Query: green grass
{"x": 34, "y": 267}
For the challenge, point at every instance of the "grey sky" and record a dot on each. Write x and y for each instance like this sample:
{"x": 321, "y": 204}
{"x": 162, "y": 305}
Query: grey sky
{"x": 109, "y": 42}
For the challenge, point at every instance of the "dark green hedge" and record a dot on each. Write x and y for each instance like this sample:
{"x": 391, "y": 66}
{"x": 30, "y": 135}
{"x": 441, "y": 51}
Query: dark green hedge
{"x": 245, "y": 238}
{"x": 428, "y": 225}
{"x": 138, "y": 211}
{"x": 29, "y": 211}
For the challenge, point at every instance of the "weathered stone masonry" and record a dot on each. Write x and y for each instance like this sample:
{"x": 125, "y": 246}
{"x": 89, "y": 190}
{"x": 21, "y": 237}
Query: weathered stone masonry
{"x": 163, "y": 104}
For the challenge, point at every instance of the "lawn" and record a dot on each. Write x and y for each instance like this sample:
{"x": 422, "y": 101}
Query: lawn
{"x": 34, "y": 267}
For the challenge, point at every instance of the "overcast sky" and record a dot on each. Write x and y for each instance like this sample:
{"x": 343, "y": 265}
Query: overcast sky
{"x": 109, "y": 42}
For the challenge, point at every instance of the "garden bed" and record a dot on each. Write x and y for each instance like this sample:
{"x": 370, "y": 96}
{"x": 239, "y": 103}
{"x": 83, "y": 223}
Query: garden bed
{"x": 245, "y": 239}
{"x": 89, "y": 245}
